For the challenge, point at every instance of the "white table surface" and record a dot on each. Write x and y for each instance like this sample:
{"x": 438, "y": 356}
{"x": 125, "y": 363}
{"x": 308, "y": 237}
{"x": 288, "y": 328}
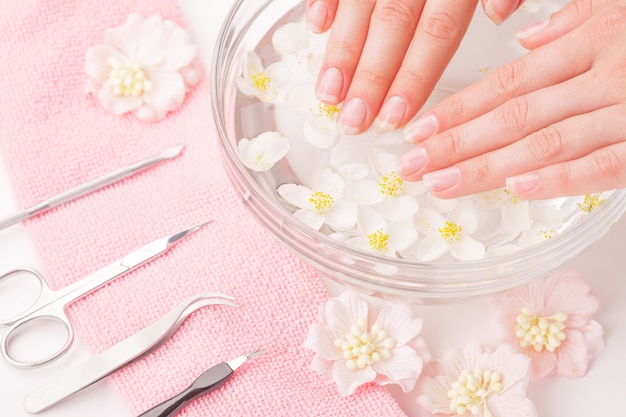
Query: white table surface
{"x": 599, "y": 393}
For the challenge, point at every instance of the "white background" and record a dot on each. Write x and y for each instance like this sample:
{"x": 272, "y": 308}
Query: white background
{"x": 600, "y": 392}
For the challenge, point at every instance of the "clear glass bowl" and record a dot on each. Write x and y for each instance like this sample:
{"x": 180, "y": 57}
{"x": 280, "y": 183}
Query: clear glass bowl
{"x": 247, "y": 27}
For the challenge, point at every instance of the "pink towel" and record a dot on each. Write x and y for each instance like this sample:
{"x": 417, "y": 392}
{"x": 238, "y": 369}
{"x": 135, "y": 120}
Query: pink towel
{"x": 55, "y": 136}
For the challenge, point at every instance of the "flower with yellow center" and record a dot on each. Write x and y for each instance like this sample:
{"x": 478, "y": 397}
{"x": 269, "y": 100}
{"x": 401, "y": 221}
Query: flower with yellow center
{"x": 362, "y": 347}
{"x": 540, "y": 332}
{"x": 323, "y": 204}
{"x": 378, "y": 240}
{"x": 591, "y": 202}
{"x": 390, "y": 184}
{"x": 470, "y": 391}
{"x": 266, "y": 84}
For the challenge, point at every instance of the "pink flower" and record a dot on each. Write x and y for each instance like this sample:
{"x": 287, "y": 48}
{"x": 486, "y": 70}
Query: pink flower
{"x": 145, "y": 66}
{"x": 550, "y": 321}
{"x": 476, "y": 382}
{"x": 357, "y": 343}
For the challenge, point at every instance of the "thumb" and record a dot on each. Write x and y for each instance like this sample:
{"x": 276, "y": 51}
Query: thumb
{"x": 500, "y": 10}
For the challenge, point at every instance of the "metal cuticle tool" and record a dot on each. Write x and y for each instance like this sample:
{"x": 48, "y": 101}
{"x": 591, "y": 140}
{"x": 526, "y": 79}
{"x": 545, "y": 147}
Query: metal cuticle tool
{"x": 121, "y": 354}
{"x": 209, "y": 381}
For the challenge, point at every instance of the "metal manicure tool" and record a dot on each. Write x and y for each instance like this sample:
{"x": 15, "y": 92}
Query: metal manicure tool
{"x": 90, "y": 186}
{"x": 50, "y": 305}
{"x": 209, "y": 381}
{"x": 122, "y": 354}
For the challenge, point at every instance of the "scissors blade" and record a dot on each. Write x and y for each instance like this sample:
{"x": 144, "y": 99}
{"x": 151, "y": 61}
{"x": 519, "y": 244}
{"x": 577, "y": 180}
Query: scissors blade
{"x": 90, "y": 186}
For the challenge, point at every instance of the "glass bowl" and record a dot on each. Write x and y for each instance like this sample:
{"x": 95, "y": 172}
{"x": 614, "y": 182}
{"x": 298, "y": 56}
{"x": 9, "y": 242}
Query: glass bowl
{"x": 247, "y": 27}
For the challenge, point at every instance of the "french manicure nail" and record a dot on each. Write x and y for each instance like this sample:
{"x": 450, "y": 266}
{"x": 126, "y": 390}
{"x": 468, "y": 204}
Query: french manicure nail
{"x": 443, "y": 179}
{"x": 421, "y": 129}
{"x": 532, "y": 30}
{"x": 521, "y": 184}
{"x": 392, "y": 113}
{"x": 496, "y": 12}
{"x": 352, "y": 116}
{"x": 411, "y": 162}
{"x": 330, "y": 85}
{"x": 316, "y": 17}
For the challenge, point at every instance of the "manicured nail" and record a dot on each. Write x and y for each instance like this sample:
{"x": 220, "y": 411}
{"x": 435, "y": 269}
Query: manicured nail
{"x": 497, "y": 12}
{"x": 352, "y": 116}
{"x": 532, "y": 30}
{"x": 421, "y": 129}
{"x": 316, "y": 17}
{"x": 330, "y": 85}
{"x": 443, "y": 179}
{"x": 392, "y": 113}
{"x": 522, "y": 184}
{"x": 411, "y": 162}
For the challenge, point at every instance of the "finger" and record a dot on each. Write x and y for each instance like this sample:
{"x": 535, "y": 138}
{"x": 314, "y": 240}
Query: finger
{"x": 439, "y": 32}
{"x": 320, "y": 14}
{"x": 505, "y": 125}
{"x": 599, "y": 171}
{"x": 562, "y": 142}
{"x": 560, "y": 23}
{"x": 500, "y": 10}
{"x": 391, "y": 30}
{"x": 343, "y": 50}
{"x": 558, "y": 62}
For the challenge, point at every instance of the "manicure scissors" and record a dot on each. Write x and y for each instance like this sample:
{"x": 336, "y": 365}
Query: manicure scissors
{"x": 51, "y": 304}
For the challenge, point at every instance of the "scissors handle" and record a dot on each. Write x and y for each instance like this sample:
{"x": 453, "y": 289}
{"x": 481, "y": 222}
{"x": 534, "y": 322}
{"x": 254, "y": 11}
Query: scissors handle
{"x": 42, "y": 298}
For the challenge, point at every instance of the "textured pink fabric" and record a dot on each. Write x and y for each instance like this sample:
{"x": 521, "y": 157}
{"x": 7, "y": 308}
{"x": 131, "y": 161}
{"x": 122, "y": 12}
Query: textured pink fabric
{"x": 54, "y": 136}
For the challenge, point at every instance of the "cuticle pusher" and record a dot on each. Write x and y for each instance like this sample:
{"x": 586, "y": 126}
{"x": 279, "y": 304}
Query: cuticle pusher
{"x": 121, "y": 354}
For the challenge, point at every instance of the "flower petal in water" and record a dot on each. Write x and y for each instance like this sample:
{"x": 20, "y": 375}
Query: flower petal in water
{"x": 263, "y": 151}
{"x": 265, "y": 84}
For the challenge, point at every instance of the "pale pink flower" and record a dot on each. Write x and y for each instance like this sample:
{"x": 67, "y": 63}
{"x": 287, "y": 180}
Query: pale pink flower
{"x": 358, "y": 343}
{"x": 476, "y": 382}
{"x": 549, "y": 320}
{"x": 145, "y": 66}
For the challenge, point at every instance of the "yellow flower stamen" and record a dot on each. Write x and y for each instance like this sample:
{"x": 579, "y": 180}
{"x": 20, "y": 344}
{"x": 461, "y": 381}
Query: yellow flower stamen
{"x": 591, "y": 202}
{"x": 391, "y": 184}
{"x": 540, "y": 332}
{"x": 512, "y": 196}
{"x": 321, "y": 201}
{"x": 261, "y": 81}
{"x": 379, "y": 241}
{"x": 328, "y": 110}
{"x": 362, "y": 348}
{"x": 128, "y": 79}
{"x": 470, "y": 391}
{"x": 450, "y": 232}
{"x": 546, "y": 233}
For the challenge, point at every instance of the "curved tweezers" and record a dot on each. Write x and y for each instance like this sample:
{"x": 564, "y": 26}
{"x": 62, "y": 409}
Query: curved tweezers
{"x": 120, "y": 355}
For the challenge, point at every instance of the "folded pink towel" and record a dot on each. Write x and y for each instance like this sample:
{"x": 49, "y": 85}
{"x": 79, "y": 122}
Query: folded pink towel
{"x": 55, "y": 136}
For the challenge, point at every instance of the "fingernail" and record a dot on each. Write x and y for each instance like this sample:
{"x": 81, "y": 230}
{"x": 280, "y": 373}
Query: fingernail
{"x": 443, "y": 179}
{"x": 421, "y": 129}
{"x": 392, "y": 113}
{"x": 497, "y": 12}
{"x": 532, "y": 30}
{"x": 522, "y": 184}
{"x": 316, "y": 17}
{"x": 411, "y": 162}
{"x": 352, "y": 116}
{"x": 330, "y": 85}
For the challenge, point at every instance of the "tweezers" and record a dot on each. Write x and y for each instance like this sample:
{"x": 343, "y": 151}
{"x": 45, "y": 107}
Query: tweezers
{"x": 121, "y": 354}
{"x": 208, "y": 382}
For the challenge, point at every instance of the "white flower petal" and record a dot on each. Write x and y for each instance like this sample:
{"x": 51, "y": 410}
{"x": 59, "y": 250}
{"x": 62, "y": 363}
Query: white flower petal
{"x": 396, "y": 209}
{"x": 320, "y": 131}
{"x": 441, "y": 205}
{"x": 262, "y": 152}
{"x": 342, "y": 216}
{"x": 310, "y": 218}
{"x": 297, "y": 195}
{"x": 320, "y": 340}
{"x": 168, "y": 90}
{"x": 328, "y": 181}
{"x": 370, "y": 220}
{"x": 402, "y": 235}
{"x": 349, "y": 380}
{"x": 365, "y": 193}
{"x": 432, "y": 248}
{"x": 468, "y": 249}
{"x": 117, "y": 105}
{"x": 345, "y": 311}
{"x": 429, "y": 222}
{"x": 398, "y": 321}
{"x": 516, "y": 215}
{"x": 466, "y": 216}
{"x": 290, "y": 39}
{"x": 404, "y": 365}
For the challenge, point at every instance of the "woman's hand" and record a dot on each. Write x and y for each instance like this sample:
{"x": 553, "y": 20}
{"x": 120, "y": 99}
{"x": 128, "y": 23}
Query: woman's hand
{"x": 551, "y": 123}
{"x": 384, "y": 57}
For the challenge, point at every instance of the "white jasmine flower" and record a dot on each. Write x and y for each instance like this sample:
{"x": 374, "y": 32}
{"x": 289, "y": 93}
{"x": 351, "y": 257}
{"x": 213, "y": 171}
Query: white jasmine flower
{"x": 356, "y": 343}
{"x": 267, "y": 84}
{"x": 376, "y": 235}
{"x": 145, "y": 66}
{"x": 515, "y": 211}
{"x": 263, "y": 151}
{"x": 323, "y": 203}
{"x": 449, "y": 234}
{"x": 320, "y": 119}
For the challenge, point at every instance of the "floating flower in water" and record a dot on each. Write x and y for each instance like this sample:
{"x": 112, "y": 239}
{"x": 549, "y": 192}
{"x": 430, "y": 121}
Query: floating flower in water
{"x": 357, "y": 343}
{"x": 449, "y": 234}
{"x": 550, "y": 321}
{"x": 304, "y": 48}
{"x": 477, "y": 382}
{"x": 377, "y": 235}
{"x": 320, "y": 123}
{"x": 145, "y": 66}
{"x": 263, "y": 151}
{"x": 591, "y": 202}
{"x": 323, "y": 203}
{"x": 515, "y": 211}
{"x": 264, "y": 83}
